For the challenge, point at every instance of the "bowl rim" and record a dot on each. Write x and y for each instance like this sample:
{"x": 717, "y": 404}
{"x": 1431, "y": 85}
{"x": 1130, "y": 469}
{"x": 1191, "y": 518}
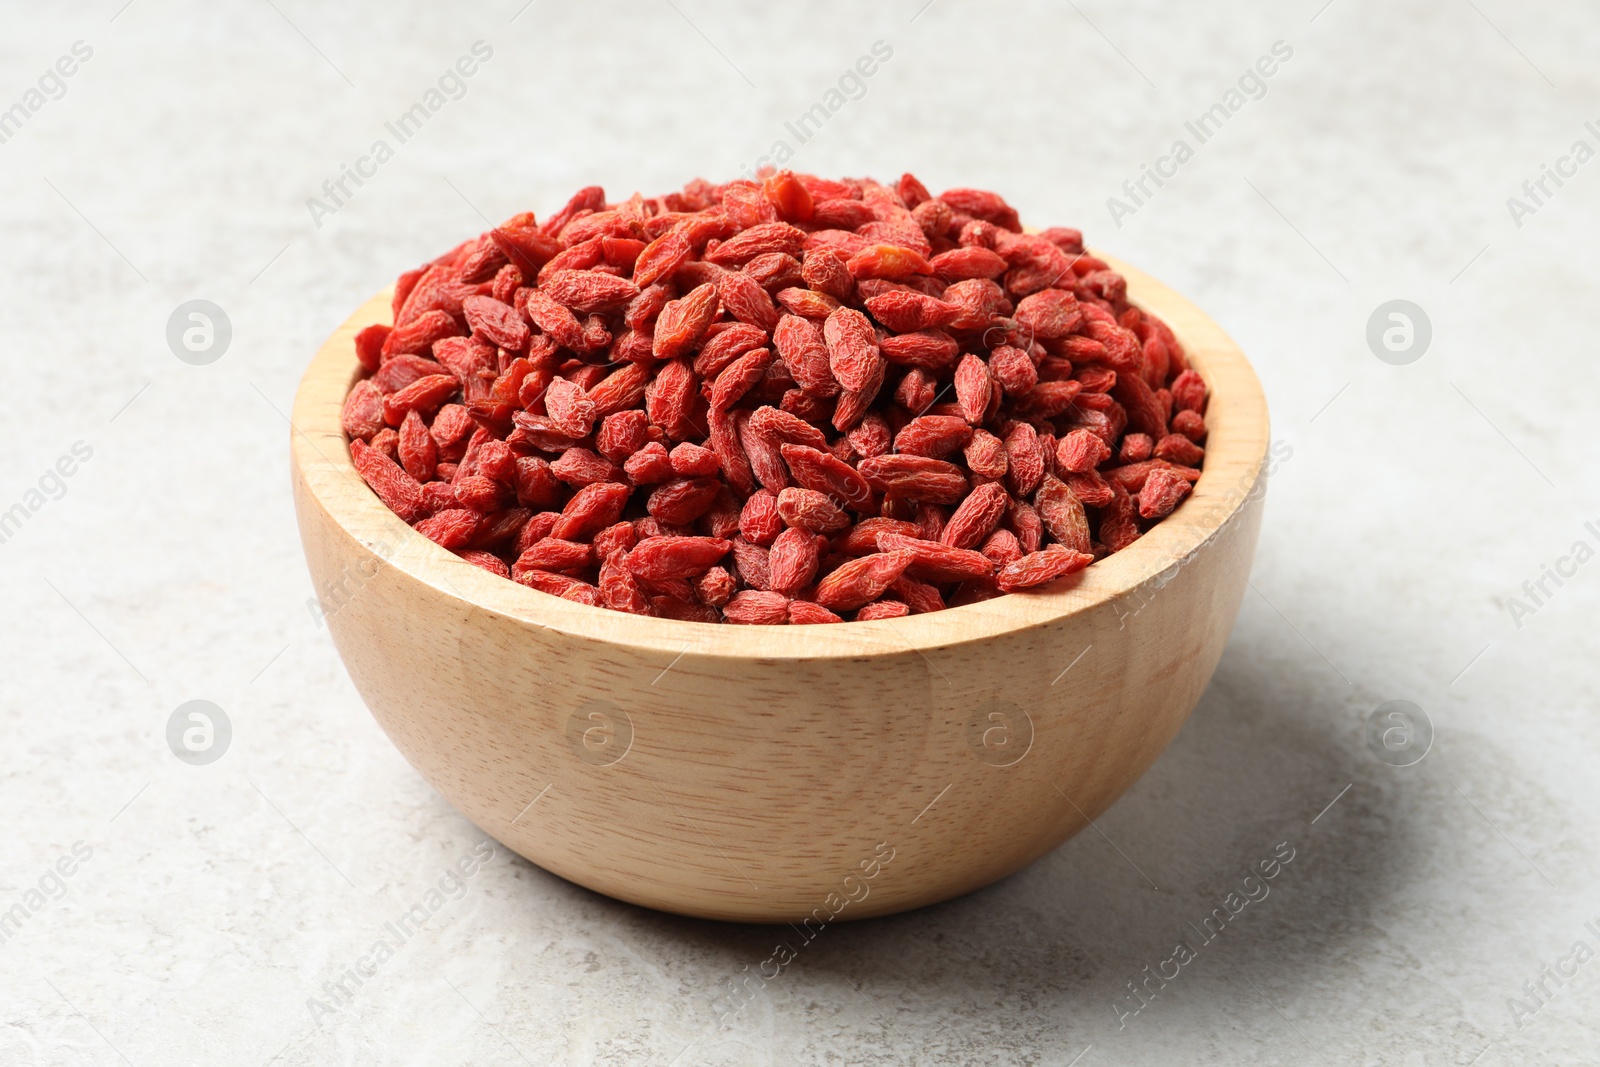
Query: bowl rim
{"x": 1236, "y": 451}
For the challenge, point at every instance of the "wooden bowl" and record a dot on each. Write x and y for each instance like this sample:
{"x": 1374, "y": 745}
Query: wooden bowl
{"x": 804, "y": 774}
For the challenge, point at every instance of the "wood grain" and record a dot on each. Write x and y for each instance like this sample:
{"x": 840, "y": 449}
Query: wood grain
{"x": 768, "y": 771}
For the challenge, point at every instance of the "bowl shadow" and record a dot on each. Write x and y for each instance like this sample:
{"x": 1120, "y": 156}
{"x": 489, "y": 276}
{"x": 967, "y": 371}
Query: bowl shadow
{"x": 1050, "y": 953}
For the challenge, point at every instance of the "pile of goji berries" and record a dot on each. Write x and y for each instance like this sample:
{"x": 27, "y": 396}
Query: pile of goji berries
{"x": 794, "y": 400}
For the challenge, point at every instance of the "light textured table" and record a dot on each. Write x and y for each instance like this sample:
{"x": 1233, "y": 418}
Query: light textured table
{"x": 1411, "y": 505}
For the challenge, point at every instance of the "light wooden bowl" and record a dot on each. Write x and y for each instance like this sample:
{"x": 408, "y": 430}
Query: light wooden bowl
{"x": 775, "y": 774}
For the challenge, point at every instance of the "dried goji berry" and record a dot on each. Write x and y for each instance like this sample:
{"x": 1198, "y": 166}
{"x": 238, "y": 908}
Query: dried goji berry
{"x": 1013, "y": 370}
{"x": 418, "y": 451}
{"x": 810, "y": 510}
{"x": 585, "y": 290}
{"x": 863, "y": 536}
{"x": 1190, "y": 423}
{"x": 569, "y": 408}
{"x": 1145, "y": 413}
{"x": 369, "y": 345}
{"x": 1049, "y": 313}
{"x": 397, "y": 489}
{"x": 755, "y": 607}
{"x": 763, "y": 238}
{"x": 841, "y": 215}
{"x": 807, "y": 303}
{"x": 980, "y": 301}
{"x": 555, "y": 554}
{"x": 1135, "y": 448}
{"x": 912, "y": 192}
{"x": 903, "y": 311}
{"x": 452, "y": 528}
{"x": 743, "y": 298}
{"x": 739, "y": 377}
{"x": 591, "y": 509}
{"x": 486, "y": 560}
{"x": 775, "y": 270}
{"x": 960, "y": 264}
{"x": 400, "y": 371}
{"x": 1062, "y": 514}
{"x": 930, "y": 520}
{"x": 1189, "y": 392}
{"x": 731, "y": 457}
{"x": 981, "y": 204}
{"x": 498, "y": 323}
{"x": 561, "y": 585}
{"x": 986, "y": 455}
{"x": 977, "y": 516}
{"x": 481, "y": 494}
{"x": 1178, "y": 449}
{"x": 362, "y": 415}
{"x": 621, "y": 435}
{"x": 870, "y": 437}
{"x": 759, "y": 521}
{"x": 725, "y": 342}
{"x": 806, "y": 613}
{"x": 440, "y": 496}
{"x": 1090, "y": 488}
{"x": 1161, "y": 492}
{"x": 1037, "y": 568}
{"x": 424, "y": 395}
{"x": 670, "y": 399}
{"x": 750, "y": 562}
{"x": 1048, "y": 399}
{"x": 901, "y": 259}
{"x": 861, "y": 580}
{"x": 916, "y": 391}
{"x": 579, "y": 466}
{"x": 801, "y": 347}
{"x": 935, "y": 217}
{"x": 676, "y": 557}
{"x": 973, "y": 384}
{"x": 933, "y": 481}
{"x": 792, "y": 560}
{"x": 620, "y": 389}
{"x": 715, "y": 586}
{"x": 747, "y": 204}
{"x": 1002, "y": 546}
{"x": 935, "y": 562}
{"x": 683, "y": 500}
{"x": 933, "y": 436}
{"x": 852, "y": 349}
{"x": 926, "y": 349}
{"x": 619, "y": 590}
{"x": 650, "y": 465}
{"x": 1131, "y": 478}
{"x": 636, "y": 343}
{"x": 683, "y": 320}
{"x": 418, "y": 335}
{"x": 825, "y": 271}
{"x": 920, "y": 597}
{"x": 1025, "y": 458}
{"x": 1080, "y": 450}
{"x": 694, "y": 461}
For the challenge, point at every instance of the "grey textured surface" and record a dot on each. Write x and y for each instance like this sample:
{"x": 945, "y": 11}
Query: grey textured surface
{"x": 1416, "y": 502}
